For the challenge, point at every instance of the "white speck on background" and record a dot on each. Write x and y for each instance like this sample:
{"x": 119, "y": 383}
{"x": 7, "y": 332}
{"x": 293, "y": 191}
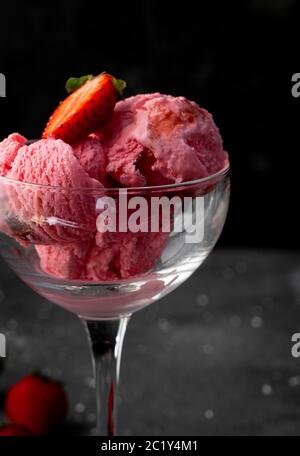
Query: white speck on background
{"x": 209, "y": 414}
{"x": 202, "y": 300}
{"x": 267, "y": 390}
{"x": 79, "y": 408}
{"x": 256, "y": 322}
{"x": 208, "y": 349}
{"x": 164, "y": 325}
{"x": 294, "y": 381}
{"x": 89, "y": 382}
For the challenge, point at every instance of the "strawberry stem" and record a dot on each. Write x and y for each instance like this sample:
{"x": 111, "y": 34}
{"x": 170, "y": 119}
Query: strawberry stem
{"x": 73, "y": 84}
{"x": 120, "y": 85}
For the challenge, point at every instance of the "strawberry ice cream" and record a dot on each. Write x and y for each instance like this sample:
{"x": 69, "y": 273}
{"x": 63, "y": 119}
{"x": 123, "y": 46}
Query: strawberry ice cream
{"x": 64, "y": 261}
{"x": 148, "y": 140}
{"x": 90, "y": 154}
{"x": 125, "y": 257}
{"x": 9, "y": 148}
{"x": 39, "y": 214}
{"x": 158, "y": 139}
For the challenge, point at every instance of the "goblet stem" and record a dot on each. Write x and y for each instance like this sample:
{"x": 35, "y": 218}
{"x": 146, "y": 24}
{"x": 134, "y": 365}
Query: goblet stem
{"x": 106, "y": 340}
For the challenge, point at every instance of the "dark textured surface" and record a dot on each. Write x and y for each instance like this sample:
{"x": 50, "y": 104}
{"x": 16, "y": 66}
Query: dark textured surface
{"x": 212, "y": 358}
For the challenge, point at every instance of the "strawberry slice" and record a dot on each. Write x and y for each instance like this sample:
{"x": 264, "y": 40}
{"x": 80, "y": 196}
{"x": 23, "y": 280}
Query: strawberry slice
{"x": 86, "y": 109}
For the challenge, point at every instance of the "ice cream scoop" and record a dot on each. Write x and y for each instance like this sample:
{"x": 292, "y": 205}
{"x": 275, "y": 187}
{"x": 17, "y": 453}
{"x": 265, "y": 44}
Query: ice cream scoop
{"x": 50, "y": 208}
{"x": 9, "y": 148}
{"x": 155, "y": 139}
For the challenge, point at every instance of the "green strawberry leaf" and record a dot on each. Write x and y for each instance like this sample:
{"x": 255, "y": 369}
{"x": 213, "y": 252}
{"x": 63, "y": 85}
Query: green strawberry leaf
{"x": 120, "y": 85}
{"x": 74, "y": 83}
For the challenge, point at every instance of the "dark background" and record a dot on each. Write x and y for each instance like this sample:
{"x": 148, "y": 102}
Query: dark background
{"x": 222, "y": 342}
{"x": 234, "y": 58}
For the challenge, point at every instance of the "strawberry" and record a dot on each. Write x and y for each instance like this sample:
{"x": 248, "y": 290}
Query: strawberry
{"x": 36, "y": 403}
{"x": 88, "y": 107}
{"x": 13, "y": 430}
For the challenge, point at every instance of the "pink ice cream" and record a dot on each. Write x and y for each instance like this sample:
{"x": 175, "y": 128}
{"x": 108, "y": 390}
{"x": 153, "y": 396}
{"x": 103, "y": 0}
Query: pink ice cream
{"x": 158, "y": 139}
{"x": 64, "y": 261}
{"x": 91, "y": 157}
{"x": 41, "y": 215}
{"x": 125, "y": 257}
{"x": 9, "y": 148}
{"x": 150, "y": 140}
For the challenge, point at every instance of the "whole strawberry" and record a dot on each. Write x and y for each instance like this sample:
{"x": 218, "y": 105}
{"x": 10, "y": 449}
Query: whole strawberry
{"x": 13, "y": 430}
{"x": 89, "y": 106}
{"x": 36, "y": 403}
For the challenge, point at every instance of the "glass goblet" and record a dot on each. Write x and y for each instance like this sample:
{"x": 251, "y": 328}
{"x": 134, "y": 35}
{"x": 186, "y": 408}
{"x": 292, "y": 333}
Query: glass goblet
{"x": 59, "y": 241}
